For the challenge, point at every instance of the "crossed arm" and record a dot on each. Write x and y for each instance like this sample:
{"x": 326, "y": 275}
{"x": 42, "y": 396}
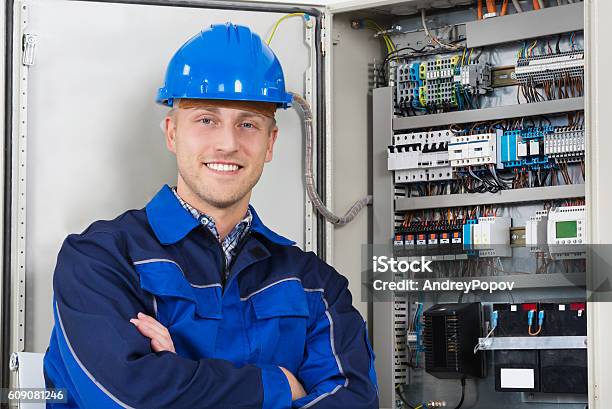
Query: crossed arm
{"x": 162, "y": 341}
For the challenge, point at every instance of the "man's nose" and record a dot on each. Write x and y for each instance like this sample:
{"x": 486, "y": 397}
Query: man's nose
{"x": 227, "y": 139}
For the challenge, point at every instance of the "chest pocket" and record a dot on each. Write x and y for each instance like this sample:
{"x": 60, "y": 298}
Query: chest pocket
{"x": 280, "y": 324}
{"x": 190, "y": 313}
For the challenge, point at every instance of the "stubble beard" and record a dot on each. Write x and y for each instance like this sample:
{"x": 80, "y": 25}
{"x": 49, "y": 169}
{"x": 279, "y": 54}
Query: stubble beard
{"x": 223, "y": 199}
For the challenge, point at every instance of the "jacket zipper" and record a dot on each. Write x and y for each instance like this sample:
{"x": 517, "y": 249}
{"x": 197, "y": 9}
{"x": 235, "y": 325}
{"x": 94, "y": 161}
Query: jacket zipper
{"x": 220, "y": 247}
{"x": 225, "y": 268}
{"x": 235, "y": 257}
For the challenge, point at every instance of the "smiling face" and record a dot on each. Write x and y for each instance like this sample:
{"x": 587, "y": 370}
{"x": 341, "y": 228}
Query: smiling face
{"x": 220, "y": 152}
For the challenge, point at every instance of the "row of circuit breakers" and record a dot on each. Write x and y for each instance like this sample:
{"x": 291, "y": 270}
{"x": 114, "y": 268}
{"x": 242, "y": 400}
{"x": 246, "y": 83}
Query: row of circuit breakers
{"x": 560, "y": 231}
{"x": 439, "y": 155}
{"x": 451, "y": 333}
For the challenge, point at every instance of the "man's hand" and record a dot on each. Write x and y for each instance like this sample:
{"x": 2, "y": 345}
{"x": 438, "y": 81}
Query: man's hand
{"x": 162, "y": 341}
{"x": 151, "y": 328}
{"x": 297, "y": 390}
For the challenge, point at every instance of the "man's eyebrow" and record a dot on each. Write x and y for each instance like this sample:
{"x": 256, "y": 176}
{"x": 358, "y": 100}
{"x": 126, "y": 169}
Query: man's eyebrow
{"x": 210, "y": 109}
{"x": 248, "y": 114}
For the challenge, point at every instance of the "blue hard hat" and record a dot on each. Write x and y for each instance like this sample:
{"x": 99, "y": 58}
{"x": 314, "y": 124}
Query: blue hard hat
{"x": 228, "y": 62}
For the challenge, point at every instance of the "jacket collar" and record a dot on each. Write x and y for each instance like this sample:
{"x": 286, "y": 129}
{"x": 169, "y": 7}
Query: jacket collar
{"x": 171, "y": 222}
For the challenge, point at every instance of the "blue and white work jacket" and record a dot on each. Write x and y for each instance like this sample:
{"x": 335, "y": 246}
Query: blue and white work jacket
{"x": 279, "y": 307}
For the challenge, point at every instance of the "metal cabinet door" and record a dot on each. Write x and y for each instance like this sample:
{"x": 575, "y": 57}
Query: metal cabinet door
{"x": 94, "y": 146}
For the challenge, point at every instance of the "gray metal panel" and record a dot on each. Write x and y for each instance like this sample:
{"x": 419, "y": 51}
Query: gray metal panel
{"x": 489, "y": 114}
{"x": 95, "y": 148}
{"x": 599, "y": 197}
{"x": 382, "y": 232}
{"x": 5, "y": 339}
{"x": 557, "y": 342}
{"x": 525, "y": 195}
{"x": 529, "y": 24}
{"x": 398, "y": 7}
{"x": 352, "y": 133}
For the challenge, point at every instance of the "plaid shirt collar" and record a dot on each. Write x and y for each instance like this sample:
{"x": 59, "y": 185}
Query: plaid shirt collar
{"x": 231, "y": 241}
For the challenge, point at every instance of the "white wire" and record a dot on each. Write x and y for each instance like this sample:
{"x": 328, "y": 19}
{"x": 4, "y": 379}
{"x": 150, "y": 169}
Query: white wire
{"x": 434, "y": 39}
{"x": 517, "y": 6}
{"x": 482, "y": 343}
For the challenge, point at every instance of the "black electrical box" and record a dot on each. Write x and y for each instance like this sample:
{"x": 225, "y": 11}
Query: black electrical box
{"x": 547, "y": 371}
{"x": 515, "y": 370}
{"x": 564, "y": 319}
{"x": 512, "y": 319}
{"x": 564, "y": 370}
{"x": 450, "y": 333}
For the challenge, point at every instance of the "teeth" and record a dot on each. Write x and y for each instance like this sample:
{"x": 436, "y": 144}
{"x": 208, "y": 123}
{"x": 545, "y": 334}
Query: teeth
{"x": 222, "y": 167}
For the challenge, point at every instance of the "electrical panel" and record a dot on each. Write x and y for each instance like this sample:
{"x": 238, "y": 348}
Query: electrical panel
{"x": 486, "y": 158}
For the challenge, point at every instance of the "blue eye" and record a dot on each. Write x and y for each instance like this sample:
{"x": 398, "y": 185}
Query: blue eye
{"x": 206, "y": 121}
{"x": 247, "y": 125}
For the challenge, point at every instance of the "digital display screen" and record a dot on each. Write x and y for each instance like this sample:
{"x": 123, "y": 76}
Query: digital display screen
{"x": 567, "y": 229}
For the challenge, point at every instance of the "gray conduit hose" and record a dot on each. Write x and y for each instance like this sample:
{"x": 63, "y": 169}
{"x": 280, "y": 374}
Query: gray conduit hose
{"x": 517, "y": 6}
{"x": 310, "y": 189}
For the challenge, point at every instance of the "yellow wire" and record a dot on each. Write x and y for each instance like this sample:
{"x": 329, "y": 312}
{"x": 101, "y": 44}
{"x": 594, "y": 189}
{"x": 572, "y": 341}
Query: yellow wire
{"x": 279, "y": 21}
{"x": 389, "y": 43}
{"x": 532, "y": 47}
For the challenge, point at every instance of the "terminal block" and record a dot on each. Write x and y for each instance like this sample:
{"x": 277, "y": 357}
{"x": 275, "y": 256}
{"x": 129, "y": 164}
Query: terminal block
{"x": 549, "y": 67}
{"x": 565, "y": 144}
{"x": 440, "y": 84}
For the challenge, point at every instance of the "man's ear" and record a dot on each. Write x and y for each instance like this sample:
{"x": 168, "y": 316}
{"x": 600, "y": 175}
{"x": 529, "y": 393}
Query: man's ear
{"x": 170, "y": 131}
{"x": 271, "y": 140}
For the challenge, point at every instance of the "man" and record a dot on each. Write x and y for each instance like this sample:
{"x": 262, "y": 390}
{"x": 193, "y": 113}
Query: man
{"x": 192, "y": 302}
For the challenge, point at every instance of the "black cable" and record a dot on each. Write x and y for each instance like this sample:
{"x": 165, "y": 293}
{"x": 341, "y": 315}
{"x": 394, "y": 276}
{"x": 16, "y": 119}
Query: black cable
{"x": 462, "y": 394}
{"x": 401, "y": 396}
{"x": 393, "y": 54}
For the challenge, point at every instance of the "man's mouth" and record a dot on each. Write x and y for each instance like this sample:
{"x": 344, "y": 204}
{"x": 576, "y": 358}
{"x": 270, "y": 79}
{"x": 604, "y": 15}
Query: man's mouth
{"x": 223, "y": 166}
